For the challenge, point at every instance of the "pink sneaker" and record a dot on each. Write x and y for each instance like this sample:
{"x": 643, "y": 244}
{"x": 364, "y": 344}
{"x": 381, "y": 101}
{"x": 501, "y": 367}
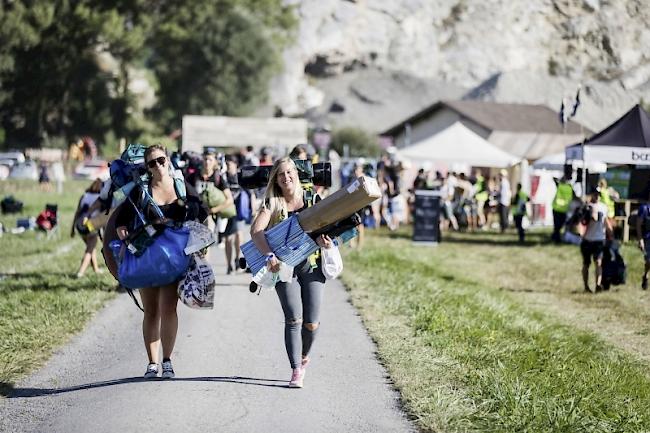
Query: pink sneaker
{"x": 296, "y": 378}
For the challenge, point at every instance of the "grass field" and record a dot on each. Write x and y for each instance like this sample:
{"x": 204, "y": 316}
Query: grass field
{"x": 481, "y": 334}
{"x": 41, "y": 303}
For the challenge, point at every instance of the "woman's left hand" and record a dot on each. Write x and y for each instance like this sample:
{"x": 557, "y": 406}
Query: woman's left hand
{"x": 324, "y": 241}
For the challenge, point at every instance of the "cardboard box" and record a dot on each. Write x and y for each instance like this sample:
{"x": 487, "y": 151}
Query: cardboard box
{"x": 341, "y": 204}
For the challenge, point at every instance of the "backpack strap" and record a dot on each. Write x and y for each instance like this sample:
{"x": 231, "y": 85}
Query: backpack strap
{"x": 310, "y": 197}
{"x": 135, "y": 300}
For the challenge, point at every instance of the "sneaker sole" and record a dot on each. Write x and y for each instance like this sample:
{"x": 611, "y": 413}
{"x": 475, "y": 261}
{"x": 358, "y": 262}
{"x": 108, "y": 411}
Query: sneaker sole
{"x": 295, "y": 385}
{"x": 168, "y": 375}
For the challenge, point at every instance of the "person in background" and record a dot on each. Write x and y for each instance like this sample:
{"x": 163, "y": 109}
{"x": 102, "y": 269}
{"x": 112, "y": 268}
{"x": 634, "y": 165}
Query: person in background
{"x": 504, "y": 197}
{"x": 593, "y": 240}
{"x": 298, "y": 152}
{"x": 44, "y": 177}
{"x": 561, "y": 203}
{"x": 267, "y": 157}
{"x": 232, "y": 234}
{"x": 358, "y": 242}
{"x": 247, "y": 157}
{"x": 87, "y": 201}
{"x": 519, "y": 204}
{"x": 480, "y": 198}
{"x": 211, "y": 173}
{"x": 607, "y": 196}
{"x": 643, "y": 234}
{"x": 447, "y": 195}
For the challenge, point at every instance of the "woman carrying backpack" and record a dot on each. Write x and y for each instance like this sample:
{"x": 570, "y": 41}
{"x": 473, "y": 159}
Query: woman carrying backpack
{"x": 301, "y": 298}
{"x": 88, "y": 198}
{"x": 212, "y": 178}
{"x": 160, "y": 323}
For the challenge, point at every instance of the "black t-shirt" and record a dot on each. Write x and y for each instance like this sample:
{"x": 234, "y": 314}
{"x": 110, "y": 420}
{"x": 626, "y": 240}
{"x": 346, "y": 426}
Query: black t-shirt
{"x": 179, "y": 211}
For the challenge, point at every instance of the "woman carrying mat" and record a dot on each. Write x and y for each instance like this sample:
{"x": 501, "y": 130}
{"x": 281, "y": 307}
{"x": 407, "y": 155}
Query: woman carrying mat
{"x": 160, "y": 323}
{"x": 301, "y": 298}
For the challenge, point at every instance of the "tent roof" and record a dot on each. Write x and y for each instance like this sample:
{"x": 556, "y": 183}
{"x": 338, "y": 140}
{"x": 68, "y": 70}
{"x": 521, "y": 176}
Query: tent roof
{"x": 631, "y": 130}
{"x": 498, "y": 117}
{"x": 457, "y": 143}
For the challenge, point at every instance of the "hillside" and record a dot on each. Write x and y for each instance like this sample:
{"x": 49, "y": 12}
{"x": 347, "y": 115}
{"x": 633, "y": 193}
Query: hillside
{"x": 382, "y": 60}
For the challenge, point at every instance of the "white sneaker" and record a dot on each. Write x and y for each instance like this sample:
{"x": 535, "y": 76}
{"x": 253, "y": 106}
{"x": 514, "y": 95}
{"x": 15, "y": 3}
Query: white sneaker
{"x": 152, "y": 371}
{"x": 167, "y": 370}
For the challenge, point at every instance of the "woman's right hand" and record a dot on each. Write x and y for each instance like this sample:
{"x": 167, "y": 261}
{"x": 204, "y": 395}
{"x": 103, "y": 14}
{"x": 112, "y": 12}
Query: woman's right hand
{"x": 273, "y": 264}
{"x": 122, "y": 233}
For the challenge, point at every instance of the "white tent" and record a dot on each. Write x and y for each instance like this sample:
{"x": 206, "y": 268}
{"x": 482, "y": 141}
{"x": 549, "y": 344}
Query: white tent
{"x": 556, "y": 162}
{"x": 458, "y": 144}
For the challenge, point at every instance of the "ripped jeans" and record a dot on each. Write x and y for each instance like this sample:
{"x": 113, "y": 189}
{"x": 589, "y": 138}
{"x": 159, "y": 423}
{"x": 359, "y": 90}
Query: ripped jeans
{"x": 301, "y": 300}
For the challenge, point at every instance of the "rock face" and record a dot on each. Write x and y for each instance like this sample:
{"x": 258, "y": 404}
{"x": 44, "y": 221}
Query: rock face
{"x": 492, "y": 45}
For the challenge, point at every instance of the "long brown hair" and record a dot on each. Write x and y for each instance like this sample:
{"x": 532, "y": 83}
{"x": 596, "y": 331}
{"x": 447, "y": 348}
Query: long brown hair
{"x": 273, "y": 199}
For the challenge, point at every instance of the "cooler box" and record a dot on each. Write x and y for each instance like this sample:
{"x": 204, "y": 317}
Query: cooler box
{"x": 341, "y": 204}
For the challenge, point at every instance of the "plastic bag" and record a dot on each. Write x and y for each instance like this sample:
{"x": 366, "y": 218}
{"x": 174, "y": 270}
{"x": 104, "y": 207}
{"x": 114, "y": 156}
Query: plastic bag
{"x": 332, "y": 263}
{"x": 200, "y": 237}
{"x": 196, "y": 288}
{"x": 267, "y": 279}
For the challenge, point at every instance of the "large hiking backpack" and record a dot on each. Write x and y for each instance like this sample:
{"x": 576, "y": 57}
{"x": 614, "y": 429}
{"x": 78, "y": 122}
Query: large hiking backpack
{"x": 614, "y": 269}
{"x": 129, "y": 170}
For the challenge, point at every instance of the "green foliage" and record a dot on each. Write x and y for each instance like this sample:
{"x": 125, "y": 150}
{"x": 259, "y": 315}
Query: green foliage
{"x": 359, "y": 142}
{"x": 65, "y": 67}
{"x": 41, "y": 303}
{"x": 211, "y": 58}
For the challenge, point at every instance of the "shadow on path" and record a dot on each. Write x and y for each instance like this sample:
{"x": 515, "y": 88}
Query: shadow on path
{"x": 10, "y": 391}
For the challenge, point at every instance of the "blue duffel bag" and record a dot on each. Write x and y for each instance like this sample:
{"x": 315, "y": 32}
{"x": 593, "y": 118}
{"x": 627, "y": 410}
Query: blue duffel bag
{"x": 163, "y": 262}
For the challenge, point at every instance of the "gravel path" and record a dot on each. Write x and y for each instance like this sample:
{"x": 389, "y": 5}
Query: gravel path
{"x": 231, "y": 374}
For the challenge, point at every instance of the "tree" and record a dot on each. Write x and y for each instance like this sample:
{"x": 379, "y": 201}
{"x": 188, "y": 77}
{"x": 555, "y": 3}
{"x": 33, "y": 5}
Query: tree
{"x": 52, "y": 83}
{"x": 215, "y": 57}
{"x": 359, "y": 142}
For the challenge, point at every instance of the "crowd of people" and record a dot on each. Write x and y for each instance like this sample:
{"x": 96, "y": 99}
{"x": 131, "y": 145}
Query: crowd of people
{"x": 474, "y": 202}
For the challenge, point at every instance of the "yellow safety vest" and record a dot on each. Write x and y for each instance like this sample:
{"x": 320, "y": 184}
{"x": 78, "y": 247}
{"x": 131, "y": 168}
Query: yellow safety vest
{"x": 519, "y": 207}
{"x": 481, "y": 193}
{"x": 607, "y": 200}
{"x": 563, "y": 197}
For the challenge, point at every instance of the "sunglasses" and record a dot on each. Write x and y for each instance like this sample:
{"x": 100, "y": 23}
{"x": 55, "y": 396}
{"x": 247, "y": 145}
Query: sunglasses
{"x": 160, "y": 161}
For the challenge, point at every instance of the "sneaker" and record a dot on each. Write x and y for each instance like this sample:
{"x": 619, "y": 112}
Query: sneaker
{"x": 296, "y": 378}
{"x": 152, "y": 371}
{"x": 167, "y": 370}
{"x": 644, "y": 283}
{"x": 303, "y": 366}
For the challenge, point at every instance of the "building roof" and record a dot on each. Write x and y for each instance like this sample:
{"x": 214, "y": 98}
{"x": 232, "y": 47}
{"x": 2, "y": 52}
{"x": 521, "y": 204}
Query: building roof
{"x": 498, "y": 117}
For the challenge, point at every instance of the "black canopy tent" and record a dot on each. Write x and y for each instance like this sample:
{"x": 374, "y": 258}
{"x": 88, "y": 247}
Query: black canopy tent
{"x": 626, "y": 141}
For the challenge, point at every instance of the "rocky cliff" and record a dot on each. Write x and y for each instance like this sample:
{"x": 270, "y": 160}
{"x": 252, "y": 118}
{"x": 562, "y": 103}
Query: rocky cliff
{"x": 395, "y": 56}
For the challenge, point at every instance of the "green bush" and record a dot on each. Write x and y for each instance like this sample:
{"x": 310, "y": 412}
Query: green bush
{"x": 358, "y": 141}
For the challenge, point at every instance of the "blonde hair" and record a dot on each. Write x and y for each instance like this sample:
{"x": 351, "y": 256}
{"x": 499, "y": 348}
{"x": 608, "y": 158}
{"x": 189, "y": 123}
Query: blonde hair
{"x": 273, "y": 199}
